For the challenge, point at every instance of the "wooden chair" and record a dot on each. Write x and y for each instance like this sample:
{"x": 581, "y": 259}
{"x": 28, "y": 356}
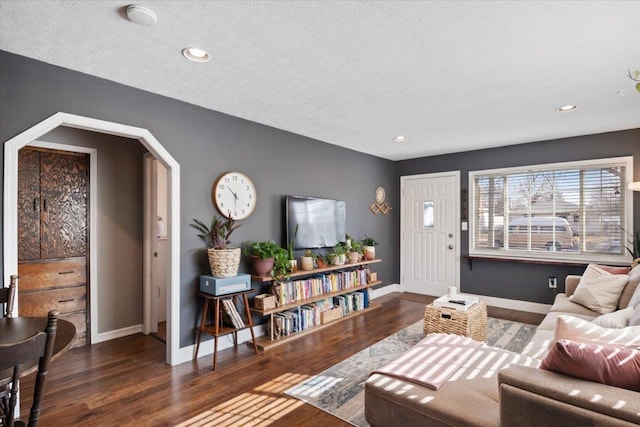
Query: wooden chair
{"x": 38, "y": 346}
{"x": 8, "y": 296}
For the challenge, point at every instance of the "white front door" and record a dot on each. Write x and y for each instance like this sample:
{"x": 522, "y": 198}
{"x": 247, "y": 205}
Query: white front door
{"x": 430, "y": 214}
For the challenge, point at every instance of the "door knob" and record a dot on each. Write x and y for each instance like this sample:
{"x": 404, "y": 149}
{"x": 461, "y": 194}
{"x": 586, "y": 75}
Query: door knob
{"x": 450, "y": 246}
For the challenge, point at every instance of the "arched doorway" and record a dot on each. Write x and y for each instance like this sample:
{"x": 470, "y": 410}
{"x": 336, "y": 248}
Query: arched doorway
{"x": 142, "y": 135}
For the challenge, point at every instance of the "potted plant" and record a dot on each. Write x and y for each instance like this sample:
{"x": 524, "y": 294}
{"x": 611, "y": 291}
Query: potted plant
{"x": 354, "y": 251}
{"x": 290, "y": 250}
{"x": 306, "y": 261}
{"x": 279, "y": 273}
{"x": 339, "y": 255}
{"x": 347, "y": 240}
{"x": 369, "y": 244}
{"x": 262, "y": 255}
{"x": 322, "y": 261}
{"x": 224, "y": 261}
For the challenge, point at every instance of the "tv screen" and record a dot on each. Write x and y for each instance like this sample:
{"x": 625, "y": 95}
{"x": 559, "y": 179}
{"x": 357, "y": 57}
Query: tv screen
{"x": 320, "y": 222}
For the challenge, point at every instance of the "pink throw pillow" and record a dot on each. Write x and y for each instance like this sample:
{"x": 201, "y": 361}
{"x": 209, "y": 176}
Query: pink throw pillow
{"x": 613, "y": 366}
{"x": 613, "y": 269}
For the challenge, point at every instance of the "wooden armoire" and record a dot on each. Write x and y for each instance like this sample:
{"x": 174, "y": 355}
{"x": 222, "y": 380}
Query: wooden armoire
{"x": 52, "y": 235}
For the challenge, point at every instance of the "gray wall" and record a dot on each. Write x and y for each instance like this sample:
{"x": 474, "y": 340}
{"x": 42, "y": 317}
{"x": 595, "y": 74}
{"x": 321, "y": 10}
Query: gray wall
{"x": 119, "y": 226}
{"x": 513, "y": 280}
{"x": 205, "y": 144}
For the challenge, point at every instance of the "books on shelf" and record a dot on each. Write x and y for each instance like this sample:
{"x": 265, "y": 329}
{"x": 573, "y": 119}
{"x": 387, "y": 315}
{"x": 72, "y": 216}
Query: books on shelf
{"x": 317, "y": 285}
{"x": 232, "y": 313}
{"x": 309, "y": 315}
{"x": 460, "y": 302}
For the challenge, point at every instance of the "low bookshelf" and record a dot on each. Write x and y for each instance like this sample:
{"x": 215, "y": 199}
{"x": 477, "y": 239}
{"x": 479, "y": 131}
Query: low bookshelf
{"x": 270, "y": 340}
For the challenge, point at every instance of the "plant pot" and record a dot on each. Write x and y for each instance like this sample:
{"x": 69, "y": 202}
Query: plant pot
{"x": 294, "y": 264}
{"x": 339, "y": 260}
{"x": 224, "y": 262}
{"x": 353, "y": 257}
{"x": 321, "y": 262}
{"x": 369, "y": 252}
{"x": 306, "y": 263}
{"x": 262, "y": 267}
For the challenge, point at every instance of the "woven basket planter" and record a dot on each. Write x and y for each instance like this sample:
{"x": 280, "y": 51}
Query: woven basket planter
{"x": 224, "y": 262}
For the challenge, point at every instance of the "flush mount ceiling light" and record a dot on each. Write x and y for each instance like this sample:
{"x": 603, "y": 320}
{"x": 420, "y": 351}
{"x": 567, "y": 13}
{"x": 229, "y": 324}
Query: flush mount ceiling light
{"x": 196, "y": 55}
{"x": 400, "y": 138}
{"x": 566, "y": 108}
{"x": 141, "y": 15}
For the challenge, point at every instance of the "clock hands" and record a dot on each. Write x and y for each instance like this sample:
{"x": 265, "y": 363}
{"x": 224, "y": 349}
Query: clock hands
{"x": 235, "y": 194}
{"x": 235, "y": 199}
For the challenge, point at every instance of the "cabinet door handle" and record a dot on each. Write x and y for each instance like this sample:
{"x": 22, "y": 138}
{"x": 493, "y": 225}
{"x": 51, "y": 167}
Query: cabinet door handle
{"x": 66, "y": 300}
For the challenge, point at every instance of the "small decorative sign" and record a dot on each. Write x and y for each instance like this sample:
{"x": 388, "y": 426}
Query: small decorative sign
{"x": 380, "y": 206}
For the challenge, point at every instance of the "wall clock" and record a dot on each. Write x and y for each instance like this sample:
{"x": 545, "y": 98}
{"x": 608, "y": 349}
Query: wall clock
{"x": 234, "y": 194}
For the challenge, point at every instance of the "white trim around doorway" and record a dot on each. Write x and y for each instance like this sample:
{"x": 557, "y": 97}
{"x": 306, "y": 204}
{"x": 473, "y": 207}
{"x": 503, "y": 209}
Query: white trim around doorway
{"x": 174, "y": 355}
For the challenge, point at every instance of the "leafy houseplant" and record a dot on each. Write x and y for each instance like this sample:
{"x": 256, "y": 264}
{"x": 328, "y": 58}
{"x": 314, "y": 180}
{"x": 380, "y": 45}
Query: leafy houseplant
{"x": 355, "y": 251}
{"x": 223, "y": 260}
{"x": 322, "y": 261}
{"x": 369, "y": 244}
{"x": 280, "y": 273}
{"x": 262, "y": 254}
{"x": 339, "y": 254}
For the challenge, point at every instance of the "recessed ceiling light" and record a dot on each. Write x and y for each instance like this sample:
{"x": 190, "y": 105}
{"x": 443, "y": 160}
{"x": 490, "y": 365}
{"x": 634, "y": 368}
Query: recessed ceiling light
{"x": 400, "y": 138}
{"x": 566, "y": 108}
{"x": 141, "y": 15}
{"x": 196, "y": 55}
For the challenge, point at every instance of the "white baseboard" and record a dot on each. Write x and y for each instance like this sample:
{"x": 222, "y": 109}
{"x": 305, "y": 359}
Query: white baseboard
{"x": 118, "y": 333}
{"x": 187, "y": 353}
{"x": 531, "y": 307}
{"x": 378, "y": 292}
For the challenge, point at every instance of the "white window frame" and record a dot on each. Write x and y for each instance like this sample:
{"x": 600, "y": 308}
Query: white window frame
{"x": 564, "y": 257}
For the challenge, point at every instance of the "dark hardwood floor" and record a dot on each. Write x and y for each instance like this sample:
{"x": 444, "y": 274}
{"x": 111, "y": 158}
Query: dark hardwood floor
{"x": 126, "y": 382}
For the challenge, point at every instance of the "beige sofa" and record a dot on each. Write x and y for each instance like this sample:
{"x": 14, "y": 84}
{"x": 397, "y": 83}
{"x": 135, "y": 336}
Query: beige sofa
{"x": 503, "y": 388}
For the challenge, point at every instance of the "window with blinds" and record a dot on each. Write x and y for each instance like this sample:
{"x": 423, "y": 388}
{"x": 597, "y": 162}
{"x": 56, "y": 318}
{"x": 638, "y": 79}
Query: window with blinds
{"x": 573, "y": 211}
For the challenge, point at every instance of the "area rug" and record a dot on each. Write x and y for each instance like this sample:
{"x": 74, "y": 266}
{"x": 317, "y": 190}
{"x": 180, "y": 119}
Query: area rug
{"x": 339, "y": 390}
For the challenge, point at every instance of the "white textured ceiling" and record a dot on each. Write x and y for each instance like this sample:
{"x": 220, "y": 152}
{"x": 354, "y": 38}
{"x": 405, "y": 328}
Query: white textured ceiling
{"x": 450, "y": 75}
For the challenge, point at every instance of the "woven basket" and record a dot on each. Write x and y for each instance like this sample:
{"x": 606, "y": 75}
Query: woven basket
{"x": 224, "y": 262}
{"x": 471, "y": 323}
{"x": 330, "y": 315}
{"x": 265, "y": 302}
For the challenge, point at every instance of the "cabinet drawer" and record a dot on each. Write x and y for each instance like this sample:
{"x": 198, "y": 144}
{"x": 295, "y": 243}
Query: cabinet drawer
{"x": 39, "y": 303}
{"x": 52, "y": 274}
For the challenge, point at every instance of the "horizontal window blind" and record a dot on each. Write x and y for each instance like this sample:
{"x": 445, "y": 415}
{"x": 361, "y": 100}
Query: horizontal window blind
{"x": 555, "y": 210}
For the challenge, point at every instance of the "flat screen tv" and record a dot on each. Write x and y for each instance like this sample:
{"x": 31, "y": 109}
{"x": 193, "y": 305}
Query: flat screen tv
{"x": 320, "y": 222}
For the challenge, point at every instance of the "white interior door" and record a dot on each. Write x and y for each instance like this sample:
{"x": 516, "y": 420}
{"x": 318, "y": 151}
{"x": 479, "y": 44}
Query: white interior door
{"x": 430, "y": 214}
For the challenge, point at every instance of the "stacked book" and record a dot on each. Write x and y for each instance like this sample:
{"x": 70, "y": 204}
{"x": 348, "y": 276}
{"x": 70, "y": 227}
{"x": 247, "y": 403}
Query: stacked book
{"x": 299, "y": 290}
{"x": 310, "y": 315}
{"x": 232, "y": 313}
{"x": 460, "y": 302}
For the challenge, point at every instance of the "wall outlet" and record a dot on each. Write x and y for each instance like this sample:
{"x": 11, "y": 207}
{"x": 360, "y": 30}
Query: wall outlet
{"x": 553, "y": 282}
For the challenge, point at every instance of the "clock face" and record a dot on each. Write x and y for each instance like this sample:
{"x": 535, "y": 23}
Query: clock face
{"x": 234, "y": 194}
